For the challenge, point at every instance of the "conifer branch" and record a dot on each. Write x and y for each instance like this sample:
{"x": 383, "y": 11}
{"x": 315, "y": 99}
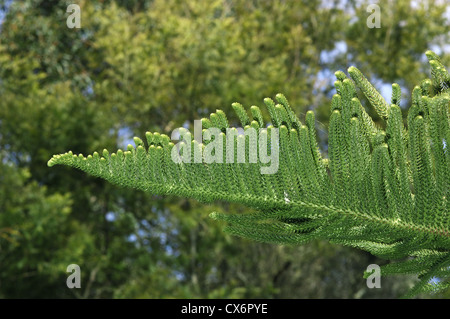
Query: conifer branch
{"x": 383, "y": 190}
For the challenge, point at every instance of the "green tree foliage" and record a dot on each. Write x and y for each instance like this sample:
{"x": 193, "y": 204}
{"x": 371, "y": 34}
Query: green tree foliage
{"x": 32, "y": 222}
{"x": 155, "y": 65}
{"x": 205, "y": 54}
{"x": 399, "y": 43}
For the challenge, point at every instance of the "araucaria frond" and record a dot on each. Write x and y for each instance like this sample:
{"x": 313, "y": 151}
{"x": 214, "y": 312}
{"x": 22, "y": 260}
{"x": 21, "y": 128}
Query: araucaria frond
{"x": 381, "y": 189}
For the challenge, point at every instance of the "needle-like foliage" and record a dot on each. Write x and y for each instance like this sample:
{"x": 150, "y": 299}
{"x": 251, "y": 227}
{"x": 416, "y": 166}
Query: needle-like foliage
{"x": 381, "y": 189}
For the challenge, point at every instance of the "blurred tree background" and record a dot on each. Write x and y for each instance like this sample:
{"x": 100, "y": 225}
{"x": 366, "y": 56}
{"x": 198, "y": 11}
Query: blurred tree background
{"x": 155, "y": 65}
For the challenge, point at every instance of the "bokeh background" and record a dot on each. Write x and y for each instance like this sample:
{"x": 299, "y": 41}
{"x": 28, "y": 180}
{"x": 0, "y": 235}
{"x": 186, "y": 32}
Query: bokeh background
{"x": 155, "y": 65}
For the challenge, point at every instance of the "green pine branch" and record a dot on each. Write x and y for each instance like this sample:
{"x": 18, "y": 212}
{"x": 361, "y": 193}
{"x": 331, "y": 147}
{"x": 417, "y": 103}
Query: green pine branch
{"x": 383, "y": 190}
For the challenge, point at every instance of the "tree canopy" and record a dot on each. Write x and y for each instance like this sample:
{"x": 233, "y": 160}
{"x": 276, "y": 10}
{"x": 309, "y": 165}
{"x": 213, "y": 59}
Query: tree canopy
{"x": 137, "y": 66}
